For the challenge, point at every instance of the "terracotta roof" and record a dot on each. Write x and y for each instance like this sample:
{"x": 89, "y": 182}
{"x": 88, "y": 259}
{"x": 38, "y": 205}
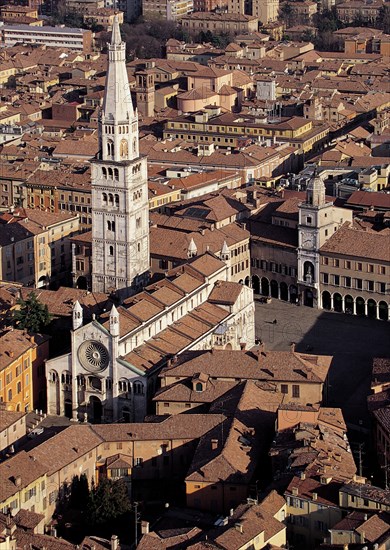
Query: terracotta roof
{"x": 360, "y": 244}
{"x": 18, "y": 472}
{"x": 14, "y": 343}
{"x": 225, "y": 292}
{"x": 270, "y": 366}
{"x": 7, "y": 418}
{"x": 28, "y": 520}
{"x": 65, "y": 447}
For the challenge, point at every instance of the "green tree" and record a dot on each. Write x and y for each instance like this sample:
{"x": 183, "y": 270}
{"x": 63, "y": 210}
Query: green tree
{"x": 107, "y": 502}
{"x": 79, "y": 492}
{"x": 32, "y": 315}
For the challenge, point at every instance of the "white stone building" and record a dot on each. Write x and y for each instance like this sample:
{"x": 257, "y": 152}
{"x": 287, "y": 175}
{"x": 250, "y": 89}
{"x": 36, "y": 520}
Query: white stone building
{"x": 112, "y": 368}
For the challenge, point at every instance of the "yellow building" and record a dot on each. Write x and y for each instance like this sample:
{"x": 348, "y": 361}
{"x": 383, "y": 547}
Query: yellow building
{"x": 230, "y": 130}
{"x": 23, "y": 484}
{"x": 21, "y": 359}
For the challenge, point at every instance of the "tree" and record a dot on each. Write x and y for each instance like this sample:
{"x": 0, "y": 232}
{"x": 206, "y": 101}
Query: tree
{"x": 107, "y": 502}
{"x": 79, "y": 494}
{"x": 32, "y": 315}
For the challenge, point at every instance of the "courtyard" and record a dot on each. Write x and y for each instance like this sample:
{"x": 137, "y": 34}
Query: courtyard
{"x": 351, "y": 339}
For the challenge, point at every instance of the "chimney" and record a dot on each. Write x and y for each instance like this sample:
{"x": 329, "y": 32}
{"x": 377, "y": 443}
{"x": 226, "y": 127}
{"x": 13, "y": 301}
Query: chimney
{"x": 18, "y": 481}
{"x": 238, "y": 527}
{"x": 302, "y": 475}
{"x": 294, "y": 491}
{"x": 231, "y": 512}
{"x": 243, "y": 346}
{"x": 292, "y": 347}
{"x": 144, "y": 527}
{"x": 10, "y": 353}
{"x": 314, "y": 496}
{"x": 214, "y": 444}
{"x": 114, "y": 543}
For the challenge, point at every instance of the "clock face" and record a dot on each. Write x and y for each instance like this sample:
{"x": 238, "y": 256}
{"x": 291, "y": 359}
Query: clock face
{"x": 308, "y": 240}
{"x": 93, "y": 356}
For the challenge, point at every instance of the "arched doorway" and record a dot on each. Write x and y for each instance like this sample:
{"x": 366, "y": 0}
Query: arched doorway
{"x": 371, "y": 308}
{"x": 126, "y": 414}
{"x": 284, "y": 291}
{"x": 308, "y": 299}
{"x": 274, "y": 289}
{"x": 264, "y": 286}
{"x": 256, "y": 284}
{"x": 95, "y": 410}
{"x": 82, "y": 283}
{"x": 68, "y": 408}
{"x": 337, "y": 302}
{"x": 383, "y": 311}
{"x": 360, "y": 310}
{"x": 247, "y": 281}
{"x": 241, "y": 282}
{"x": 326, "y": 300}
{"x": 293, "y": 294}
{"x": 349, "y": 305}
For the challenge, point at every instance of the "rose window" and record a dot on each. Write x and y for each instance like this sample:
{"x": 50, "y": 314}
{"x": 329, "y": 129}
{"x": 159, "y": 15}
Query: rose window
{"x": 93, "y": 356}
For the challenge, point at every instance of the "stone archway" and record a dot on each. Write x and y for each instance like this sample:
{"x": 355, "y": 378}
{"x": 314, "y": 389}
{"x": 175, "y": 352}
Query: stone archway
{"x": 371, "y": 308}
{"x": 82, "y": 283}
{"x": 337, "y": 302}
{"x": 293, "y": 294}
{"x": 383, "y": 311}
{"x": 284, "y": 291}
{"x": 360, "y": 308}
{"x": 308, "y": 298}
{"x": 256, "y": 284}
{"x": 326, "y": 300}
{"x": 95, "y": 413}
{"x": 349, "y": 306}
{"x": 274, "y": 289}
{"x": 265, "y": 286}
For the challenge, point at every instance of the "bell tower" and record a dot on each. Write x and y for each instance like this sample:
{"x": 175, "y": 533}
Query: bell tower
{"x": 120, "y": 210}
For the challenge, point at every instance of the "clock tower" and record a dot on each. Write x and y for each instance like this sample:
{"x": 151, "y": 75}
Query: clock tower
{"x": 120, "y": 211}
{"x": 315, "y": 218}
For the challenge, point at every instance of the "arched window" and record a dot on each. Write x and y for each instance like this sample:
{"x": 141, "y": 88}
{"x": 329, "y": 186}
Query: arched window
{"x": 108, "y": 383}
{"x": 122, "y": 385}
{"x": 110, "y": 173}
{"x": 110, "y": 198}
{"x": 108, "y": 225}
{"x": 111, "y": 251}
{"x": 104, "y": 199}
{"x": 104, "y": 172}
{"x": 81, "y": 380}
{"x": 124, "y": 149}
{"x": 110, "y": 148}
{"x": 138, "y": 388}
{"x": 112, "y": 226}
{"x": 19, "y": 387}
{"x": 117, "y": 201}
{"x": 199, "y": 387}
{"x": 116, "y": 174}
{"x": 53, "y": 376}
{"x": 9, "y": 395}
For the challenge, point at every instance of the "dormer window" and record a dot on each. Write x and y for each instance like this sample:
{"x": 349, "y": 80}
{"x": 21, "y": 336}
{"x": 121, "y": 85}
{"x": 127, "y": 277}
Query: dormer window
{"x": 199, "y": 387}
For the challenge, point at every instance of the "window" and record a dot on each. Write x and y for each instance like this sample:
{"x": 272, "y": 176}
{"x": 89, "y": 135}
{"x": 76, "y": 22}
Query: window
{"x": 347, "y": 282}
{"x": 284, "y": 388}
{"x": 382, "y": 270}
{"x": 359, "y": 266}
{"x": 325, "y": 278}
{"x": 308, "y": 219}
{"x": 382, "y": 287}
{"x": 370, "y": 286}
{"x": 370, "y": 268}
{"x": 138, "y": 462}
{"x": 295, "y": 391}
{"x": 347, "y": 264}
{"x": 358, "y": 284}
{"x": 336, "y": 280}
{"x": 325, "y": 261}
{"x": 111, "y": 251}
{"x": 336, "y": 263}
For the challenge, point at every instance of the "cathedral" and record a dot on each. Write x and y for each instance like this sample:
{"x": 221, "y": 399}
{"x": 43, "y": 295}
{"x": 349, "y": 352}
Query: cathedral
{"x": 111, "y": 371}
